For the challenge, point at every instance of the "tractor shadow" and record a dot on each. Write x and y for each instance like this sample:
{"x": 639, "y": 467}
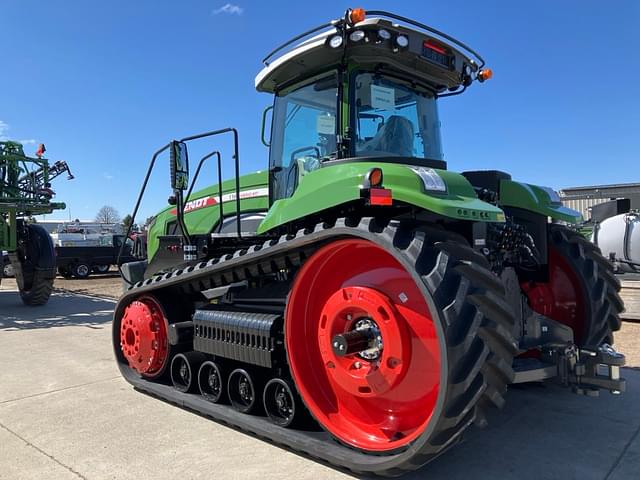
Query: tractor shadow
{"x": 62, "y": 310}
{"x": 547, "y": 432}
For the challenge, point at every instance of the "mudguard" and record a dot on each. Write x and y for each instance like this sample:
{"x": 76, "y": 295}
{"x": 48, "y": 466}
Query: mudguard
{"x": 537, "y": 199}
{"x": 342, "y": 183}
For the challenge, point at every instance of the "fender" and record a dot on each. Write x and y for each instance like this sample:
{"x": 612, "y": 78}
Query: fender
{"x": 342, "y": 183}
{"x": 536, "y": 199}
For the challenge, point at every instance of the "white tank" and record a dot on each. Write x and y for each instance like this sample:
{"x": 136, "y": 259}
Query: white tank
{"x": 620, "y": 235}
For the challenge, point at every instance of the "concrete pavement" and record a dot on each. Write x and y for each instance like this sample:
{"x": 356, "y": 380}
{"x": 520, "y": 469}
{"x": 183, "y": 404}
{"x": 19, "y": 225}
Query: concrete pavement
{"x": 66, "y": 413}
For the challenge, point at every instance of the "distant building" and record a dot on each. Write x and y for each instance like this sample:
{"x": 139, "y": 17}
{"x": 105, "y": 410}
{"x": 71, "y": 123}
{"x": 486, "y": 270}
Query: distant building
{"x": 583, "y": 198}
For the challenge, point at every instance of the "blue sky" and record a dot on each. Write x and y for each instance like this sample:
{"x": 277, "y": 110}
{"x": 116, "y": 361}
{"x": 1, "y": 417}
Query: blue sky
{"x": 103, "y": 84}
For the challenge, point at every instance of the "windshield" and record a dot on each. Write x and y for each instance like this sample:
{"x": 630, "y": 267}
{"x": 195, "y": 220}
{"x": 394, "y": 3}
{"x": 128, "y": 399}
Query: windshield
{"x": 304, "y": 133}
{"x": 394, "y": 118}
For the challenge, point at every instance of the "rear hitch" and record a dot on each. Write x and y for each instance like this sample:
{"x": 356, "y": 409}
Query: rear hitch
{"x": 586, "y": 371}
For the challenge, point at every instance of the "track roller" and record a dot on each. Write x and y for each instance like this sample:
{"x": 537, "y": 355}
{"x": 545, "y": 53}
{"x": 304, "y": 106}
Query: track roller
{"x": 242, "y": 389}
{"x": 210, "y": 382}
{"x": 183, "y": 367}
{"x": 282, "y": 405}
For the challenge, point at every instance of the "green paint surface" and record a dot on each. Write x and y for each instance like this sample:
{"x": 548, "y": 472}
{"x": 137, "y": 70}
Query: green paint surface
{"x": 536, "y": 199}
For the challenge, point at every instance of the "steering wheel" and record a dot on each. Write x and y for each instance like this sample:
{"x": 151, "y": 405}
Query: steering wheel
{"x": 315, "y": 149}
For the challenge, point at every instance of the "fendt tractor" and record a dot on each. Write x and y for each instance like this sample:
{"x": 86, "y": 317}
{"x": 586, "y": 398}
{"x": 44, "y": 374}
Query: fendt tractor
{"x": 358, "y": 302}
{"x": 25, "y": 190}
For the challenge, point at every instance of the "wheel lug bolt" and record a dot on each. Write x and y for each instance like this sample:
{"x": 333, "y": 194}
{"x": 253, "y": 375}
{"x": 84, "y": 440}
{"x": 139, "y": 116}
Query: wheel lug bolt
{"x": 349, "y": 316}
{"x": 357, "y": 365}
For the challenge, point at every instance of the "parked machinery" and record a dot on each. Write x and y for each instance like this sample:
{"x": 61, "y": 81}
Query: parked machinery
{"x": 25, "y": 191}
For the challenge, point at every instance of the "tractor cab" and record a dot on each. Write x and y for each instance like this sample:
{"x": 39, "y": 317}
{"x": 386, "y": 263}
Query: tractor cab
{"x": 363, "y": 89}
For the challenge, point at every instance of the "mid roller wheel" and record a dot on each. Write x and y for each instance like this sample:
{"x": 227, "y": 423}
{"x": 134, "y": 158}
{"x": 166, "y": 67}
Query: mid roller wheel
{"x": 243, "y": 389}
{"x": 184, "y": 367}
{"x": 210, "y": 382}
{"x": 281, "y": 403}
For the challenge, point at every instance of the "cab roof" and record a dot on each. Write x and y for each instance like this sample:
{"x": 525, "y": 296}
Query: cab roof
{"x": 427, "y": 57}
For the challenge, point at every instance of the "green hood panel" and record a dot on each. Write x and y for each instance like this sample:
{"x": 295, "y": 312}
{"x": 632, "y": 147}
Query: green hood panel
{"x": 341, "y": 183}
{"x": 536, "y": 199}
{"x": 204, "y": 211}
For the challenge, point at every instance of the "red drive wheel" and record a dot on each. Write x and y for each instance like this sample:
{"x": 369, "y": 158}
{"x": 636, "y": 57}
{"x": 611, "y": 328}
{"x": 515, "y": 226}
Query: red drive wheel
{"x": 562, "y": 298}
{"x": 362, "y": 346}
{"x": 581, "y": 291}
{"x": 143, "y": 336}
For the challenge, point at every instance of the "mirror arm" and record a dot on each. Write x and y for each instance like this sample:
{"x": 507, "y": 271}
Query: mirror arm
{"x": 180, "y": 215}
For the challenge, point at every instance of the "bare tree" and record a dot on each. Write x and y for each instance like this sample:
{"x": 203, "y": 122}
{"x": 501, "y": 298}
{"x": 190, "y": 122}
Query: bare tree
{"x": 126, "y": 221}
{"x": 107, "y": 214}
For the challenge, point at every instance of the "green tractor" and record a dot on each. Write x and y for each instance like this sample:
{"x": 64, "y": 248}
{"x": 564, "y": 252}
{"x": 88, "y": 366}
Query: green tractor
{"x": 25, "y": 190}
{"x": 358, "y": 302}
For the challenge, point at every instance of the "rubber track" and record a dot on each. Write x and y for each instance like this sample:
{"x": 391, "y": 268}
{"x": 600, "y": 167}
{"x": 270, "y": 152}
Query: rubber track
{"x": 476, "y": 324}
{"x": 601, "y": 285}
{"x": 41, "y": 288}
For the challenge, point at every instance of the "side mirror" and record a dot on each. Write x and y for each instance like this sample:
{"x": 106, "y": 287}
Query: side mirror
{"x": 179, "y": 160}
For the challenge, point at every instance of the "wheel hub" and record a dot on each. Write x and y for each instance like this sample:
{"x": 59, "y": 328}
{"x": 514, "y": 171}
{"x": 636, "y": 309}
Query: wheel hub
{"x": 214, "y": 382}
{"x": 356, "y": 320}
{"x": 365, "y": 340}
{"x": 283, "y": 402}
{"x": 245, "y": 390}
{"x": 143, "y": 336}
{"x": 184, "y": 373}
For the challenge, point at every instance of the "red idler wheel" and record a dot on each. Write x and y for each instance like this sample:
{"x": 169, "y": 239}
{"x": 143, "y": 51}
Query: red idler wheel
{"x": 382, "y": 396}
{"x": 143, "y": 336}
{"x": 561, "y": 298}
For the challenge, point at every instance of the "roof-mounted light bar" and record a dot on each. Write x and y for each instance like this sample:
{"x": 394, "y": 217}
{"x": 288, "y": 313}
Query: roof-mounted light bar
{"x": 357, "y": 15}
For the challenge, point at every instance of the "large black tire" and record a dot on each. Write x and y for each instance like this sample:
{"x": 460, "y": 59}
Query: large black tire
{"x": 600, "y": 286}
{"x": 40, "y": 291}
{"x": 34, "y": 265}
{"x": 476, "y": 322}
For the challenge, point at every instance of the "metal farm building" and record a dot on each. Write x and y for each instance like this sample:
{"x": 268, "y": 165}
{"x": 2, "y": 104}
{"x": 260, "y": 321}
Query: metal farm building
{"x": 583, "y": 198}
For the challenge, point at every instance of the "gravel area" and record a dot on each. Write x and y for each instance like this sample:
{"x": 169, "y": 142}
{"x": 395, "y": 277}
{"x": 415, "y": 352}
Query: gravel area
{"x": 108, "y": 285}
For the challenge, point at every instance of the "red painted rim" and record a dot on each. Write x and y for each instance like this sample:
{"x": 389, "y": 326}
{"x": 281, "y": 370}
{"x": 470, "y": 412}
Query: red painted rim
{"x": 143, "y": 336}
{"x": 562, "y": 297}
{"x": 376, "y": 405}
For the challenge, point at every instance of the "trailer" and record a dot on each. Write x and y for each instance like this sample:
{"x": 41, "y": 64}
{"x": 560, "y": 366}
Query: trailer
{"x": 79, "y": 257}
